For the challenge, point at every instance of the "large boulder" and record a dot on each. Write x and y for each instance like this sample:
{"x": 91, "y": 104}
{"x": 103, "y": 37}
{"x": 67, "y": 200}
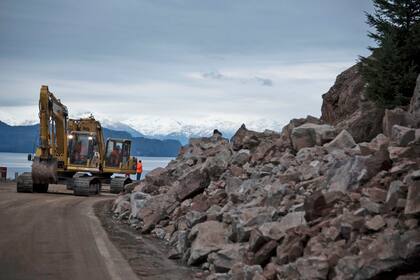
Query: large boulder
{"x": 216, "y": 165}
{"x": 313, "y": 267}
{"x": 292, "y": 246}
{"x": 390, "y": 251}
{"x": 309, "y": 135}
{"x": 344, "y": 140}
{"x": 241, "y": 271}
{"x": 402, "y": 135}
{"x": 396, "y": 116}
{"x": 245, "y": 139}
{"x": 276, "y": 230}
{"x": 207, "y": 237}
{"x": 158, "y": 177}
{"x": 379, "y": 144}
{"x": 413, "y": 198}
{"x": 138, "y": 200}
{"x": 192, "y": 183}
{"x": 223, "y": 260}
{"x": 241, "y": 157}
{"x": 286, "y": 132}
{"x": 348, "y": 174}
{"x": 346, "y": 107}
{"x": 244, "y": 220}
{"x": 156, "y": 209}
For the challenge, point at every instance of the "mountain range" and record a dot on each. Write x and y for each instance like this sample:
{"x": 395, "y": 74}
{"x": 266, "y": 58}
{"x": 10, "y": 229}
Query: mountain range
{"x": 167, "y": 128}
{"x": 164, "y": 128}
{"x": 24, "y": 139}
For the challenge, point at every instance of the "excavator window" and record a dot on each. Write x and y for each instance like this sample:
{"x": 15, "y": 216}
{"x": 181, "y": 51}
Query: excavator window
{"x": 117, "y": 152}
{"x": 82, "y": 149}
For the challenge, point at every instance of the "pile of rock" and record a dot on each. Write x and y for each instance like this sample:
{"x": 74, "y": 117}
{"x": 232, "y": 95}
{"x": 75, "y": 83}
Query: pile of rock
{"x": 310, "y": 202}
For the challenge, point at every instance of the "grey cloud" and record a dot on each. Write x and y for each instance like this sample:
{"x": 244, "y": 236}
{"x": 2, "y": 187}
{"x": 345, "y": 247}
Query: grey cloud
{"x": 215, "y": 75}
{"x": 129, "y": 59}
{"x": 264, "y": 81}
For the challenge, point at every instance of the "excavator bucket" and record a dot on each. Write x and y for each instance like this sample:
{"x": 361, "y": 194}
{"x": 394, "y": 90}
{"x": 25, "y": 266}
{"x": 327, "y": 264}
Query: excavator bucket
{"x": 44, "y": 172}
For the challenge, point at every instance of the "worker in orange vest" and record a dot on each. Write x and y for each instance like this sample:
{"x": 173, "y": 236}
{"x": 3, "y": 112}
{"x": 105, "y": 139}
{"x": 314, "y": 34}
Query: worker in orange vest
{"x": 139, "y": 169}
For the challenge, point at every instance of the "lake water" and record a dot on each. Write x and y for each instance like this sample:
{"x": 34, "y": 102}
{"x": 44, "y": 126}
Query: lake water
{"x": 18, "y": 162}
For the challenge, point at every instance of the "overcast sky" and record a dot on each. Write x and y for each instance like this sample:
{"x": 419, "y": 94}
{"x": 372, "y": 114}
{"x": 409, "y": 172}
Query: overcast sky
{"x": 188, "y": 60}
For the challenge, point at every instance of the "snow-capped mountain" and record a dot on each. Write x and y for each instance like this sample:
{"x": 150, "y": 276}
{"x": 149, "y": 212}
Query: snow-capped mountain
{"x": 181, "y": 130}
{"x": 168, "y": 128}
{"x": 165, "y": 128}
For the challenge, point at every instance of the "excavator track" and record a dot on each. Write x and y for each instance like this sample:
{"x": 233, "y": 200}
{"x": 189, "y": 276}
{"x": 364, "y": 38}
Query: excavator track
{"x": 118, "y": 183}
{"x": 24, "y": 182}
{"x": 86, "y": 185}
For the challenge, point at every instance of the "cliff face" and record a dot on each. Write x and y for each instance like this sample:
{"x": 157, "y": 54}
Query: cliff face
{"x": 345, "y": 106}
{"x": 343, "y": 98}
{"x": 414, "y": 108}
{"x": 311, "y": 202}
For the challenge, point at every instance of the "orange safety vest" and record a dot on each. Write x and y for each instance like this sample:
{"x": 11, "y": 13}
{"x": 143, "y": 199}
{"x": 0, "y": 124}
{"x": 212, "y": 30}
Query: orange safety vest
{"x": 139, "y": 167}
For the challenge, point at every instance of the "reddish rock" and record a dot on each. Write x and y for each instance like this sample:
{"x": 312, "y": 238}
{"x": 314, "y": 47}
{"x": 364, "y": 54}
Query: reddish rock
{"x": 158, "y": 177}
{"x": 414, "y": 108}
{"x": 343, "y": 141}
{"x": 207, "y": 237}
{"x": 263, "y": 255}
{"x": 256, "y": 240}
{"x": 346, "y": 107}
{"x": 245, "y": 139}
{"x": 343, "y": 97}
{"x": 291, "y": 248}
{"x": 156, "y": 209}
{"x": 402, "y": 135}
{"x": 191, "y": 184}
{"x": 241, "y": 271}
{"x": 309, "y": 135}
{"x": 223, "y": 260}
{"x": 270, "y": 271}
{"x": 376, "y": 223}
{"x": 396, "y": 117}
{"x": 375, "y": 194}
{"x": 413, "y": 197}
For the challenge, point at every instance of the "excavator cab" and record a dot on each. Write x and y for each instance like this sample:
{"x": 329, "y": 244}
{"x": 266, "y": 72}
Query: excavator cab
{"x": 117, "y": 153}
{"x": 83, "y": 149}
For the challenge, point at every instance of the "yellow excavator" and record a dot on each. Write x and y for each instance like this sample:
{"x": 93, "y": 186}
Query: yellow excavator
{"x": 74, "y": 152}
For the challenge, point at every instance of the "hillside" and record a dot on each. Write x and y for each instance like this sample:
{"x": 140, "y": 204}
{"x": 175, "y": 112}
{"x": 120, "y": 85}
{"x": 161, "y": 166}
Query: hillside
{"x": 23, "y": 139}
{"x": 330, "y": 198}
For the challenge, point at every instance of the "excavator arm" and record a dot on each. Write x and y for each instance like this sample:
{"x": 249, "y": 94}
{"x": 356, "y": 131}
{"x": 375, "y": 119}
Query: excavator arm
{"x": 52, "y": 126}
{"x": 52, "y": 149}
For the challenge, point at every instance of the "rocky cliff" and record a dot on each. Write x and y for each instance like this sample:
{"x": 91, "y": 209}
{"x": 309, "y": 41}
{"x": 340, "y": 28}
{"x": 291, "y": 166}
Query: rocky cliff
{"x": 346, "y": 107}
{"x": 315, "y": 201}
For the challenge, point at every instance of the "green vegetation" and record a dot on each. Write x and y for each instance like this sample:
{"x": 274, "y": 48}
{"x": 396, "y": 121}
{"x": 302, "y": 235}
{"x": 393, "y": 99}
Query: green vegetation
{"x": 390, "y": 72}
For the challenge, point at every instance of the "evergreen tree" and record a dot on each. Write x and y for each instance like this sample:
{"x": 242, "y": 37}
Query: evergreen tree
{"x": 390, "y": 72}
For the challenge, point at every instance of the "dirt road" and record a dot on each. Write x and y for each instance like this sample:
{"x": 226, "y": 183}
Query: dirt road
{"x": 55, "y": 236}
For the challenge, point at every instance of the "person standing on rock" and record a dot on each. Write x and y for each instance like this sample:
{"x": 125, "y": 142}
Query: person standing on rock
{"x": 139, "y": 169}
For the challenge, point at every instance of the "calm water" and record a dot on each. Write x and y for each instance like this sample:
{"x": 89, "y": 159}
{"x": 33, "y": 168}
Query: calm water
{"x": 18, "y": 162}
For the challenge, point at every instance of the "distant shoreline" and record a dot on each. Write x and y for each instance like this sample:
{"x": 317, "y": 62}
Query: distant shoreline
{"x": 4, "y": 152}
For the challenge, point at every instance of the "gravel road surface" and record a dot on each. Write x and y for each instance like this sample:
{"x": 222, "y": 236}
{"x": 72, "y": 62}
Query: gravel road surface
{"x": 55, "y": 236}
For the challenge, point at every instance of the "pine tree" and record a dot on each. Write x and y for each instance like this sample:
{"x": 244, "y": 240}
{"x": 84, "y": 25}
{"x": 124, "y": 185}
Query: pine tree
{"x": 390, "y": 72}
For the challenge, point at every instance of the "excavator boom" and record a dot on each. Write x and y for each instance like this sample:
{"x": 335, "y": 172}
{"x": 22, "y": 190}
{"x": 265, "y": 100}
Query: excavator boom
{"x": 52, "y": 125}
